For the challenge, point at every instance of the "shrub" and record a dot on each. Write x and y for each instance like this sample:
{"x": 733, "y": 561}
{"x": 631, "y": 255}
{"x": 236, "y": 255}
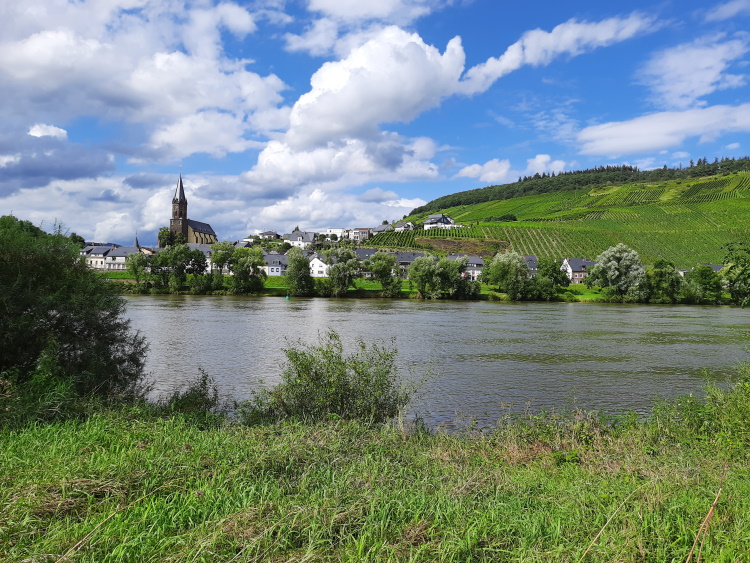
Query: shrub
{"x": 320, "y": 381}
{"x": 57, "y": 312}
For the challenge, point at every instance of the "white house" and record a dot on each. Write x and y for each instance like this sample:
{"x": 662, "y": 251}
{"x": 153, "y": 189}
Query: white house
{"x": 340, "y": 233}
{"x": 577, "y": 269}
{"x": 440, "y": 221}
{"x": 300, "y": 239}
{"x": 401, "y": 226}
{"x": 318, "y": 267}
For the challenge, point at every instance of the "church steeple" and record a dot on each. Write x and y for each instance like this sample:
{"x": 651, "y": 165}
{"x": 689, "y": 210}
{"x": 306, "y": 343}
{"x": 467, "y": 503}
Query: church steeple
{"x": 179, "y": 201}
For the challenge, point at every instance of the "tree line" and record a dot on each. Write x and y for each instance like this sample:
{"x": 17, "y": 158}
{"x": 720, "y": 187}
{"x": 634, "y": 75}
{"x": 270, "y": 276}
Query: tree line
{"x": 580, "y": 179}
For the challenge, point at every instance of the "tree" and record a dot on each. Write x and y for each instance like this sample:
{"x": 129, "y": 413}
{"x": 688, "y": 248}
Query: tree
{"x": 444, "y": 278}
{"x": 510, "y": 273}
{"x": 383, "y": 265}
{"x": 173, "y": 264}
{"x": 137, "y": 264}
{"x": 334, "y": 237}
{"x": 423, "y": 274}
{"x": 299, "y": 282}
{"x": 78, "y": 240}
{"x": 702, "y": 285}
{"x": 221, "y": 254}
{"x": 737, "y": 273}
{"x": 248, "y": 268}
{"x": 617, "y": 268}
{"x": 61, "y": 323}
{"x": 343, "y": 269}
{"x": 661, "y": 283}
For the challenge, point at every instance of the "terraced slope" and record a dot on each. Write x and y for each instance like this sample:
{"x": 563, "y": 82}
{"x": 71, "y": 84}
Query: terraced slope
{"x": 683, "y": 221}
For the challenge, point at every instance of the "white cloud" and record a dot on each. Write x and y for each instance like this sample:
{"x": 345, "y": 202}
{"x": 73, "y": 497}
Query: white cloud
{"x": 539, "y": 47}
{"x": 317, "y": 209}
{"x": 681, "y": 75}
{"x": 393, "y": 77}
{"x": 208, "y": 132}
{"x": 663, "y": 130}
{"x": 149, "y": 62}
{"x": 391, "y": 11}
{"x": 318, "y": 39}
{"x": 498, "y": 171}
{"x": 6, "y": 159}
{"x": 680, "y": 154}
{"x": 732, "y": 146}
{"x": 42, "y": 130}
{"x": 728, "y": 10}
{"x": 378, "y": 195}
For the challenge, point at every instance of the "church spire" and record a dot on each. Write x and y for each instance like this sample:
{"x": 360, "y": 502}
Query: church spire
{"x": 179, "y": 193}
{"x": 135, "y": 244}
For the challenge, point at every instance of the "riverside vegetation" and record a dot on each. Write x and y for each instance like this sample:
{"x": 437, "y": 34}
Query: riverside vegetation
{"x": 319, "y": 469}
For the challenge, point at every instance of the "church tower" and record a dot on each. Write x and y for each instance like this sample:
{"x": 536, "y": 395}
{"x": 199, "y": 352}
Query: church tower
{"x": 179, "y": 221}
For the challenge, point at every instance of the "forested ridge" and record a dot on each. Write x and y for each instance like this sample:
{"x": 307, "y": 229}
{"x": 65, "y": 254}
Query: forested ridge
{"x": 589, "y": 178}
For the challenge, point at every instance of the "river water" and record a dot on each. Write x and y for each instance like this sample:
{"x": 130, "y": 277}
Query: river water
{"x": 481, "y": 358}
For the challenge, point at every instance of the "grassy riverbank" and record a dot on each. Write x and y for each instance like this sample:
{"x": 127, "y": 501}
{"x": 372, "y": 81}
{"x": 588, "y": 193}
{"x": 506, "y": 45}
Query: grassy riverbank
{"x": 138, "y": 483}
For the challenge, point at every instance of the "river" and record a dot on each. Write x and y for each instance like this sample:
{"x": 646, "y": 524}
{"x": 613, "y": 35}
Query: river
{"x": 481, "y": 358}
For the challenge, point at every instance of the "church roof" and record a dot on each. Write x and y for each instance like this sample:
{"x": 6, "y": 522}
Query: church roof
{"x": 199, "y": 227}
{"x": 179, "y": 193}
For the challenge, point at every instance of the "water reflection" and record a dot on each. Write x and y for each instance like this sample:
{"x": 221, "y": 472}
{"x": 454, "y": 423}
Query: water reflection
{"x": 482, "y": 355}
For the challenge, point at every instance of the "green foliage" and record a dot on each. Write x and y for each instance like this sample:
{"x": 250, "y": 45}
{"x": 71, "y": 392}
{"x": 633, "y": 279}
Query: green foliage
{"x": 442, "y": 279}
{"x": 299, "y": 282}
{"x": 343, "y": 270}
{"x": 137, "y": 265}
{"x": 577, "y": 180}
{"x": 221, "y": 254}
{"x": 321, "y": 381}
{"x": 60, "y": 319}
{"x": 738, "y": 272}
{"x": 661, "y": 283}
{"x": 384, "y": 268}
{"x": 618, "y": 269}
{"x": 171, "y": 266}
{"x": 702, "y": 285}
{"x": 247, "y": 264}
{"x": 510, "y": 273}
{"x": 198, "y": 401}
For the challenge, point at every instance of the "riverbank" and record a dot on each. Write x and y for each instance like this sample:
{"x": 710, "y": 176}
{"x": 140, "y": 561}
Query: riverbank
{"x": 365, "y": 289}
{"x": 137, "y": 483}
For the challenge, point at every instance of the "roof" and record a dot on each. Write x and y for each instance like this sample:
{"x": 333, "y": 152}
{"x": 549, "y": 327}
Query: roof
{"x": 580, "y": 264}
{"x": 365, "y": 253}
{"x": 303, "y": 236}
{"x": 123, "y": 251}
{"x": 382, "y": 228}
{"x": 715, "y": 267}
{"x": 199, "y": 227}
{"x": 204, "y": 248}
{"x": 179, "y": 192}
{"x": 471, "y": 260}
{"x": 408, "y": 257}
{"x": 531, "y": 261}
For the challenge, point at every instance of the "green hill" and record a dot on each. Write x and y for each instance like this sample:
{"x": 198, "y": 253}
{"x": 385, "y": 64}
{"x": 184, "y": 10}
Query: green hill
{"x": 685, "y": 221}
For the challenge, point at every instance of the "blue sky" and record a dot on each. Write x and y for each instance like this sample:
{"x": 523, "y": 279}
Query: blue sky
{"x": 343, "y": 113}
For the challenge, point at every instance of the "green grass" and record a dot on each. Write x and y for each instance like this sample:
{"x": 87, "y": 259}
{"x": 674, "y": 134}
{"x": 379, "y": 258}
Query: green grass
{"x": 131, "y": 485}
{"x": 684, "y": 221}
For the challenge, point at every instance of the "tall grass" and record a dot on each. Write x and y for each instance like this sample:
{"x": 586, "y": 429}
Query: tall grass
{"x": 137, "y": 483}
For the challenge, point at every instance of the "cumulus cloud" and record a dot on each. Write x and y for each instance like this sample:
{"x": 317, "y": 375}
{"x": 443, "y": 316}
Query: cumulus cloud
{"x": 728, "y": 10}
{"x": 393, "y": 77}
{"x": 498, "y": 171}
{"x": 318, "y": 209}
{"x": 157, "y": 64}
{"x": 42, "y": 130}
{"x": 663, "y": 130}
{"x": 680, "y": 76}
{"x": 539, "y": 47}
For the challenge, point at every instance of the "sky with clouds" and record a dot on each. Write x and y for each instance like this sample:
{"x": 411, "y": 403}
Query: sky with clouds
{"x": 345, "y": 113}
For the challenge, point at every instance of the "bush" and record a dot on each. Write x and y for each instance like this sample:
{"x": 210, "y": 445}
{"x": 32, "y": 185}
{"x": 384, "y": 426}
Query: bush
{"x": 62, "y": 327}
{"x": 320, "y": 381}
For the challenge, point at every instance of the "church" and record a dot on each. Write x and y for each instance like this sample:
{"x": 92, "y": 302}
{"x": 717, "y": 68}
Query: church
{"x": 194, "y": 231}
